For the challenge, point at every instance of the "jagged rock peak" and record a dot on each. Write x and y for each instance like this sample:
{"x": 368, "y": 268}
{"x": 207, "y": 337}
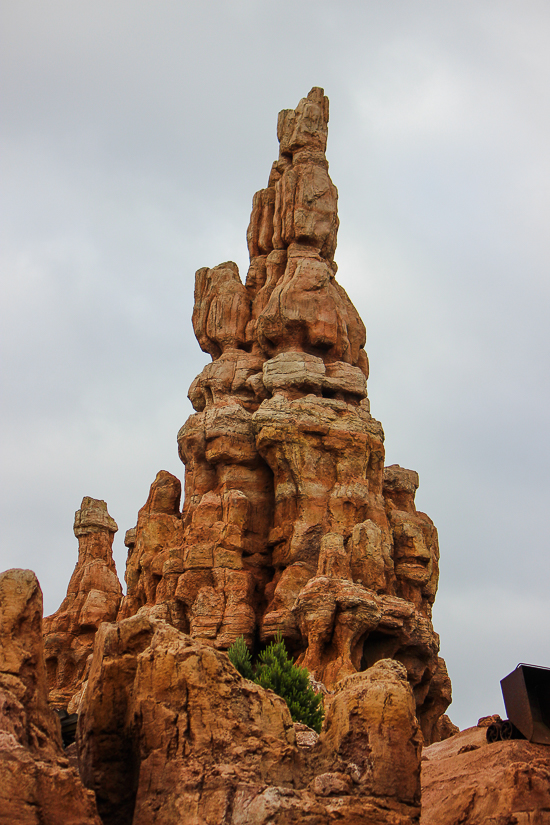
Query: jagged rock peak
{"x": 290, "y": 522}
{"x": 93, "y": 596}
{"x": 290, "y": 328}
{"x": 93, "y": 516}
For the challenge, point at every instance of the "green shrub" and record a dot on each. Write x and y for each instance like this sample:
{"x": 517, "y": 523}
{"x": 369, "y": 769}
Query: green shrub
{"x": 276, "y": 671}
{"x": 239, "y": 656}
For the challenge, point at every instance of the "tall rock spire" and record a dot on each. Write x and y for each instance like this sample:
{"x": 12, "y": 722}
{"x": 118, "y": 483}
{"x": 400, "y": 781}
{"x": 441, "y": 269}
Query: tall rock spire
{"x": 290, "y": 522}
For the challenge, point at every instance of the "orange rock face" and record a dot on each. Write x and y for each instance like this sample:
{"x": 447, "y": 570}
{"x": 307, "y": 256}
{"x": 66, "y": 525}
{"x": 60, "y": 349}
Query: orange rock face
{"x": 169, "y": 732}
{"x": 467, "y": 780}
{"x": 290, "y": 521}
{"x": 290, "y": 524}
{"x": 93, "y": 596}
{"x": 37, "y": 786}
{"x": 154, "y": 552}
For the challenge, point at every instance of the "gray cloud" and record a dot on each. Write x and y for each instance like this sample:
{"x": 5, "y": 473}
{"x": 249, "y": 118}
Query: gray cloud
{"x": 134, "y": 135}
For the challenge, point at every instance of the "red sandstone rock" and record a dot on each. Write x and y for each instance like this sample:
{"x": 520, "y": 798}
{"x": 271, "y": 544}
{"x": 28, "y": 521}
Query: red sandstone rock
{"x": 170, "y": 732}
{"x": 93, "y": 596}
{"x": 305, "y": 737}
{"x": 155, "y": 552}
{"x": 466, "y": 780}
{"x": 37, "y": 786}
{"x": 290, "y": 522}
{"x": 444, "y": 729}
{"x": 486, "y": 721}
{"x": 415, "y": 545}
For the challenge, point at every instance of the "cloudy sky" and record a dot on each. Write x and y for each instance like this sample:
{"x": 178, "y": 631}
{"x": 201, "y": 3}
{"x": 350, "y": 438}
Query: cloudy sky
{"x": 134, "y": 134}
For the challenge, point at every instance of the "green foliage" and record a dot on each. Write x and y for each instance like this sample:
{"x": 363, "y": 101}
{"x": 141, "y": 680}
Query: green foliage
{"x": 276, "y": 671}
{"x": 239, "y": 656}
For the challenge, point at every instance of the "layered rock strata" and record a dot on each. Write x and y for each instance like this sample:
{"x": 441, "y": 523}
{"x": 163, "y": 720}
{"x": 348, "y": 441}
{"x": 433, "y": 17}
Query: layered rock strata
{"x": 169, "y": 732}
{"x": 290, "y": 521}
{"x": 154, "y": 553}
{"x": 93, "y": 596}
{"x": 37, "y": 786}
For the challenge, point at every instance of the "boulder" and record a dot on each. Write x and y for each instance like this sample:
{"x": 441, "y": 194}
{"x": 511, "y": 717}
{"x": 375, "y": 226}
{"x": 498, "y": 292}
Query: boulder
{"x": 37, "y": 784}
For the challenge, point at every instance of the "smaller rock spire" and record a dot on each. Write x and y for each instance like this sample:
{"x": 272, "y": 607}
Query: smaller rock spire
{"x": 93, "y": 596}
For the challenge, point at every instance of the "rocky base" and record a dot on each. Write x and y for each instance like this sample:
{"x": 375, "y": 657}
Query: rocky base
{"x": 212, "y": 747}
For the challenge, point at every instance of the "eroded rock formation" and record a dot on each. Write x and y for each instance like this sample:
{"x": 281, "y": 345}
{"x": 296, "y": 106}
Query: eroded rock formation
{"x": 169, "y": 732}
{"x": 93, "y": 596}
{"x": 154, "y": 552}
{"x": 290, "y": 521}
{"x": 37, "y": 786}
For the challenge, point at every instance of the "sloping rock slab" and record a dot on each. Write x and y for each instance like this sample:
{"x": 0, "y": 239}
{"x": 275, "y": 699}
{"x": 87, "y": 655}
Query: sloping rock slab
{"x": 468, "y": 781}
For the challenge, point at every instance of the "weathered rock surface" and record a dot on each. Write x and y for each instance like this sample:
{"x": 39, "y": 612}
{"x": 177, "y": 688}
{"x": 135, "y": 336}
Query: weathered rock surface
{"x": 37, "y": 786}
{"x": 169, "y": 732}
{"x": 444, "y": 729}
{"x": 290, "y": 521}
{"x": 155, "y": 551}
{"x": 93, "y": 596}
{"x": 466, "y": 780}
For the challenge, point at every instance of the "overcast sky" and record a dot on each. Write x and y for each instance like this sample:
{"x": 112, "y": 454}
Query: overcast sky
{"x": 134, "y": 135}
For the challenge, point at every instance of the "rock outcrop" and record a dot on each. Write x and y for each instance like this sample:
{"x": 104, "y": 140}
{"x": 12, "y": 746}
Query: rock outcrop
{"x": 154, "y": 553}
{"x": 169, "y": 732}
{"x": 290, "y": 522}
{"x": 37, "y": 786}
{"x": 467, "y": 780}
{"x": 93, "y": 596}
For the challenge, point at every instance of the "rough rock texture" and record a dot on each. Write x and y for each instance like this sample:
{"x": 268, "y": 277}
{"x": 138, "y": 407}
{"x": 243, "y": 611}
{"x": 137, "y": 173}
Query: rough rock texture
{"x": 465, "y": 780}
{"x": 37, "y": 786}
{"x": 444, "y": 729}
{"x": 169, "y": 732}
{"x": 93, "y": 596}
{"x": 154, "y": 552}
{"x": 290, "y": 521}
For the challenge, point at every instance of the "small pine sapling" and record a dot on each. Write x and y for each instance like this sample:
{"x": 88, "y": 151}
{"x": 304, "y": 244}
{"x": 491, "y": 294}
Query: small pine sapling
{"x": 276, "y": 670}
{"x": 239, "y": 656}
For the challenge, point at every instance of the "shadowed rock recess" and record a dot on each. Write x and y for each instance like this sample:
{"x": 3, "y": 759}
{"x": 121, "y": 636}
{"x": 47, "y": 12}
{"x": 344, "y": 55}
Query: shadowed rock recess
{"x": 290, "y": 523}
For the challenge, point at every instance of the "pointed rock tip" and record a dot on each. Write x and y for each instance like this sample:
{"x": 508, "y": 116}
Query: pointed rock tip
{"x": 93, "y": 516}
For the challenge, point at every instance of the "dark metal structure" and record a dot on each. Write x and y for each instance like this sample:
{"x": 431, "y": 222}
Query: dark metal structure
{"x": 526, "y": 693}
